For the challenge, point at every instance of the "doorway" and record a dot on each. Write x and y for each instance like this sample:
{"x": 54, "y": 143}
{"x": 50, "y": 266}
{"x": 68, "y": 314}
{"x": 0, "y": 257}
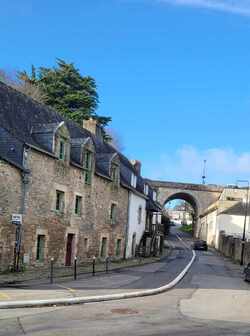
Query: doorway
{"x": 133, "y": 245}
{"x": 69, "y": 249}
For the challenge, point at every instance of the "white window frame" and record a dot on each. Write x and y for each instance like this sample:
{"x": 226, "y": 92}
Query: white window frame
{"x": 133, "y": 180}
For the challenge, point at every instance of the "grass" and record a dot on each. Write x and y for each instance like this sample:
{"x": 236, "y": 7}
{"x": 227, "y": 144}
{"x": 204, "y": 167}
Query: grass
{"x": 187, "y": 228}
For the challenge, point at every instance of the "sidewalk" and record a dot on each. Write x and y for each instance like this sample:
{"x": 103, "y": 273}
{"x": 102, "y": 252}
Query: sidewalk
{"x": 120, "y": 280}
{"x": 42, "y": 275}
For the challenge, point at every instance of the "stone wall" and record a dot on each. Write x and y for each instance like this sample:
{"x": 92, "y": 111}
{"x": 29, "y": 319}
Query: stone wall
{"x": 40, "y": 217}
{"x": 231, "y": 247}
{"x": 10, "y": 202}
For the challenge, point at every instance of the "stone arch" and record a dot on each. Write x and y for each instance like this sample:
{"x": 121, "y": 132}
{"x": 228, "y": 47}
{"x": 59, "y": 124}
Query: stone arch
{"x": 201, "y": 196}
{"x": 188, "y": 197}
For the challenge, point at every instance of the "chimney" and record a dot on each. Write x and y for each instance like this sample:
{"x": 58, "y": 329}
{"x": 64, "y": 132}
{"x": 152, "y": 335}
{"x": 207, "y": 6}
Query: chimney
{"x": 137, "y": 166}
{"x": 93, "y": 126}
{"x": 90, "y": 125}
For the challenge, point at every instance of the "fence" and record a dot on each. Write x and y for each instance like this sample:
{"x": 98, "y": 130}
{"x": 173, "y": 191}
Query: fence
{"x": 51, "y": 272}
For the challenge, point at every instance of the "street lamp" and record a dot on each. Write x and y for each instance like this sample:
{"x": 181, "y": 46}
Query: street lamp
{"x": 245, "y": 220}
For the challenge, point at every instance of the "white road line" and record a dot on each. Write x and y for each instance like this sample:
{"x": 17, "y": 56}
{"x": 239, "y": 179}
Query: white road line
{"x": 100, "y": 298}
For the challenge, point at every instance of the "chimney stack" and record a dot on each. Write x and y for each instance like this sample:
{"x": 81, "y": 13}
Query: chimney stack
{"x": 90, "y": 125}
{"x": 93, "y": 126}
{"x": 137, "y": 166}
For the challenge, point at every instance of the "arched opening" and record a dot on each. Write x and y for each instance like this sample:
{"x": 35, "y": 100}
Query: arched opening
{"x": 182, "y": 211}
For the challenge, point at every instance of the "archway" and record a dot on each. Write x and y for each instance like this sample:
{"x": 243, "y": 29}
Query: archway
{"x": 182, "y": 210}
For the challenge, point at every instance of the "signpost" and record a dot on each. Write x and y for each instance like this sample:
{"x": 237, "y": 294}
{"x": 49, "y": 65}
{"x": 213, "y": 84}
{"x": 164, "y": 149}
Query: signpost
{"x": 17, "y": 219}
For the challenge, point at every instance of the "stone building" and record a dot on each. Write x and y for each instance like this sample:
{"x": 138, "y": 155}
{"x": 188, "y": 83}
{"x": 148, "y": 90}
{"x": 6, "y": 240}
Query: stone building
{"x": 72, "y": 189}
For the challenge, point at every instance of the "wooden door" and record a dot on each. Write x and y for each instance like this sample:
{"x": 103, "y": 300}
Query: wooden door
{"x": 69, "y": 246}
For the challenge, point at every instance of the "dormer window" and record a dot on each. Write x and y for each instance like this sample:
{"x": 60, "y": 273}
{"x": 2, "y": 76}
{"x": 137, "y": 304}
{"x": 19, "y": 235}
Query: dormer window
{"x": 62, "y": 151}
{"x": 114, "y": 174}
{"x": 133, "y": 180}
{"x": 88, "y": 159}
{"x": 61, "y": 142}
{"x": 154, "y": 195}
{"x": 146, "y": 189}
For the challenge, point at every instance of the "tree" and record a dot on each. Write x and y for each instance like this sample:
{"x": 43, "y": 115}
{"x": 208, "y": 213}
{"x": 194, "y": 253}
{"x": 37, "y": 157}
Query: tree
{"x": 66, "y": 90}
{"x": 11, "y": 79}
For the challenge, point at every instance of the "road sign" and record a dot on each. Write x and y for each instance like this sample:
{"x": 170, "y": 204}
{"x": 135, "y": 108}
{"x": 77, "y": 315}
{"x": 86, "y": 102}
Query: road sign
{"x": 16, "y": 219}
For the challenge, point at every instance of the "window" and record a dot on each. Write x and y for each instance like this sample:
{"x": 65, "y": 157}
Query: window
{"x": 40, "y": 247}
{"x": 113, "y": 211}
{"x": 145, "y": 189}
{"x": 234, "y": 199}
{"x": 86, "y": 244}
{"x": 115, "y": 174}
{"x": 78, "y": 205}
{"x": 61, "y": 150}
{"x": 139, "y": 215}
{"x": 59, "y": 200}
{"x": 88, "y": 166}
{"x": 103, "y": 247}
{"x": 154, "y": 195}
{"x": 133, "y": 180}
{"x": 118, "y": 247}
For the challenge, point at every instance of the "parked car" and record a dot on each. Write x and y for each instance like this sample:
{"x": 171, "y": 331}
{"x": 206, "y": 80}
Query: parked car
{"x": 200, "y": 245}
{"x": 247, "y": 273}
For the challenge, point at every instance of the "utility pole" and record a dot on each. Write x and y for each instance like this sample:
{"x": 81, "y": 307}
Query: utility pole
{"x": 245, "y": 220}
{"x": 204, "y": 172}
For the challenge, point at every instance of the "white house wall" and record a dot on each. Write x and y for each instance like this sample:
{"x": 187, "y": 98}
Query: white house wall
{"x": 232, "y": 225}
{"x": 212, "y": 224}
{"x": 211, "y": 228}
{"x": 133, "y": 226}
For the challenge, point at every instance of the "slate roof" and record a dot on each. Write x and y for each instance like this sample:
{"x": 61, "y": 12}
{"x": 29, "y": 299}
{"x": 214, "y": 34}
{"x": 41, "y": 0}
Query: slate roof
{"x": 25, "y": 122}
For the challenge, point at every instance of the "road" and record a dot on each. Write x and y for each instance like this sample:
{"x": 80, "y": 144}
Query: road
{"x": 212, "y": 299}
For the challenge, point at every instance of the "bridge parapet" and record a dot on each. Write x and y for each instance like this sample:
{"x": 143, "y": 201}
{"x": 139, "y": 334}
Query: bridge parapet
{"x": 186, "y": 186}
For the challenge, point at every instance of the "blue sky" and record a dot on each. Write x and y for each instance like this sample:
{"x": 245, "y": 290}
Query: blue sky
{"x": 173, "y": 74}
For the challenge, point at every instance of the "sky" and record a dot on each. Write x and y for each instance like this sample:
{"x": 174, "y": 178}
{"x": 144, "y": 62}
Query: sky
{"x": 174, "y": 75}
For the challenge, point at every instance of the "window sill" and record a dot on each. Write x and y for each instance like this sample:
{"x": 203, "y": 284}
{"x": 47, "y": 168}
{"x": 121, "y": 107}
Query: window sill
{"x": 59, "y": 212}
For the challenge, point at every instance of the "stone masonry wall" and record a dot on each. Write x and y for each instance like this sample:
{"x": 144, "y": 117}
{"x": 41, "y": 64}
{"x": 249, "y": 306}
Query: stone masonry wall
{"x": 47, "y": 175}
{"x": 10, "y": 202}
{"x": 231, "y": 247}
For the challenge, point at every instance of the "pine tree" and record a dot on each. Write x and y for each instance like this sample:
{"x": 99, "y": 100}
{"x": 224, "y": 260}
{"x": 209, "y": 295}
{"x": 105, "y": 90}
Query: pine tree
{"x": 66, "y": 90}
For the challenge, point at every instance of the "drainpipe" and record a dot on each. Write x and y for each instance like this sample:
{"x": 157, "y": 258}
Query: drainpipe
{"x": 127, "y": 226}
{"x": 24, "y": 190}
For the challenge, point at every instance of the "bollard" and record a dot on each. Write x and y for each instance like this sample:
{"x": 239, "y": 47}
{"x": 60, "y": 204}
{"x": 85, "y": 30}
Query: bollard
{"x": 51, "y": 270}
{"x": 107, "y": 264}
{"x": 75, "y": 270}
{"x": 93, "y": 272}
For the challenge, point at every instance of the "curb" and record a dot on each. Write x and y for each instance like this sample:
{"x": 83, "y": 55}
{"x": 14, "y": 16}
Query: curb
{"x": 100, "y": 298}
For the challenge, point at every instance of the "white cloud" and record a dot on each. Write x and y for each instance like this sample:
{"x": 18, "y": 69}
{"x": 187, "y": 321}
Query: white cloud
{"x": 241, "y": 7}
{"x": 185, "y": 165}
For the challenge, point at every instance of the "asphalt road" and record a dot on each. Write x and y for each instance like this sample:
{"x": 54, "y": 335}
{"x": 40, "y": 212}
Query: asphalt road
{"x": 211, "y": 300}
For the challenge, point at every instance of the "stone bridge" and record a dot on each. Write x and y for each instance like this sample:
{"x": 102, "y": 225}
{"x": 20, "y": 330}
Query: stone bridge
{"x": 200, "y": 196}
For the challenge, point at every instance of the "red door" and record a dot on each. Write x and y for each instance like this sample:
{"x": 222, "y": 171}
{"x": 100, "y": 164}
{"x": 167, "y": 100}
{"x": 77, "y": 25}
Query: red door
{"x": 69, "y": 247}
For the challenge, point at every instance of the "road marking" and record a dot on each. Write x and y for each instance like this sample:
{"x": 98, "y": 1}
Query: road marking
{"x": 101, "y": 298}
{"x": 67, "y": 288}
{"x": 4, "y": 296}
{"x": 183, "y": 242}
